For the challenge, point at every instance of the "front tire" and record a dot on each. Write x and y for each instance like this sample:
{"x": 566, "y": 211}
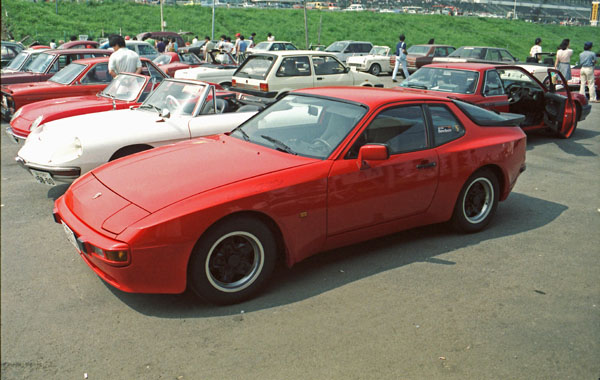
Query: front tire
{"x": 232, "y": 261}
{"x": 375, "y": 69}
{"x": 477, "y": 202}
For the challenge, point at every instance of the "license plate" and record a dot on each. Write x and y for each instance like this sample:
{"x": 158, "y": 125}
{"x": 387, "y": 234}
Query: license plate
{"x": 70, "y": 236}
{"x": 43, "y": 178}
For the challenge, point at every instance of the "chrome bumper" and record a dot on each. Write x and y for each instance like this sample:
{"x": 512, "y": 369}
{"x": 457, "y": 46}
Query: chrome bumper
{"x": 64, "y": 174}
{"x": 14, "y": 137}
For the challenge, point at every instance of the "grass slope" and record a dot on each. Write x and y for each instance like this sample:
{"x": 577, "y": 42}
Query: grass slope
{"x": 40, "y": 21}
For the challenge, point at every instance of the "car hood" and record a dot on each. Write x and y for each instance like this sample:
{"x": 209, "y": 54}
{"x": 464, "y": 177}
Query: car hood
{"x": 162, "y": 176}
{"x": 33, "y": 87}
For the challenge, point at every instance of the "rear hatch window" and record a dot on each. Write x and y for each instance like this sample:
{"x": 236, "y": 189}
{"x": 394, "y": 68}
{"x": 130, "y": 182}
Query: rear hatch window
{"x": 255, "y": 67}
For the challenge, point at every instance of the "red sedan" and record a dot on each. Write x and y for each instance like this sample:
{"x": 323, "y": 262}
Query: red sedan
{"x": 505, "y": 88}
{"x": 50, "y": 62}
{"x": 320, "y": 168}
{"x": 82, "y": 77}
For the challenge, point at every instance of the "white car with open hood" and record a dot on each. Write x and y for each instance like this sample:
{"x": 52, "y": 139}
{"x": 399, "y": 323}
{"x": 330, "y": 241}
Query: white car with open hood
{"x": 62, "y": 150}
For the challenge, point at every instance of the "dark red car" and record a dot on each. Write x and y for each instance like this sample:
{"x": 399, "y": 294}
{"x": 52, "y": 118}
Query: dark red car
{"x": 319, "y": 169}
{"x": 504, "y": 88}
{"x": 80, "y": 78}
{"x": 81, "y": 44}
{"x": 170, "y": 62}
{"x": 50, "y": 62}
{"x": 421, "y": 55}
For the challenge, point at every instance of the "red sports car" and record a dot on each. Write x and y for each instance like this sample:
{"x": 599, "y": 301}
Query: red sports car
{"x": 320, "y": 168}
{"x": 50, "y": 62}
{"x": 113, "y": 96}
{"x": 170, "y": 62}
{"x": 505, "y": 88}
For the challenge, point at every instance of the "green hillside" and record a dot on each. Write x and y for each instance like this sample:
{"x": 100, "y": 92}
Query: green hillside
{"x": 40, "y": 21}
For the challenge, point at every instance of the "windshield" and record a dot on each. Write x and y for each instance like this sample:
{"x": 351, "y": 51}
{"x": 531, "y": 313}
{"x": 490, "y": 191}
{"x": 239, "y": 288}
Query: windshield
{"x": 190, "y": 58}
{"x": 467, "y": 52}
{"x": 302, "y": 125}
{"x": 180, "y": 98}
{"x": 379, "y": 50}
{"x": 16, "y": 63}
{"x": 68, "y": 74}
{"x": 336, "y": 47}
{"x": 41, "y": 63}
{"x": 418, "y": 50}
{"x": 441, "y": 79}
{"x": 255, "y": 66}
{"x": 124, "y": 87}
{"x": 162, "y": 59}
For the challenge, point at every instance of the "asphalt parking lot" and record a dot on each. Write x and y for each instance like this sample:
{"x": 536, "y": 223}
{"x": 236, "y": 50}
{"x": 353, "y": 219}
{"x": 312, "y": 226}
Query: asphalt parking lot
{"x": 520, "y": 300}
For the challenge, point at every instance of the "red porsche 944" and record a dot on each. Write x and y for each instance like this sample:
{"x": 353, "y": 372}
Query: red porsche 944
{"x": 320, "y": 168}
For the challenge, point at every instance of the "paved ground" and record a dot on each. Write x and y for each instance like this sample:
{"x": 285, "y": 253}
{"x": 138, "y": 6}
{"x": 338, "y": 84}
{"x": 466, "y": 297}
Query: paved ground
{"x": 521, "y": 300}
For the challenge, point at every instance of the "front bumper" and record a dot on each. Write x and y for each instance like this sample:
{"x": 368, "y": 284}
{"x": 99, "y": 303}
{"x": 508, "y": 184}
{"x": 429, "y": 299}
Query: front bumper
{"x": 64, "y": 174}
{"x": 14, "y": 137}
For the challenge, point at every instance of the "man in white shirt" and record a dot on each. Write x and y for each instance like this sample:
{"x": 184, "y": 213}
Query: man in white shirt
{"x": 122, "y": 60}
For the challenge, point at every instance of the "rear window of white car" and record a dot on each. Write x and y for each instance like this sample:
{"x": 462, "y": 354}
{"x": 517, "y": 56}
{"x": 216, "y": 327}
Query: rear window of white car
{"x": 255, "y": 67}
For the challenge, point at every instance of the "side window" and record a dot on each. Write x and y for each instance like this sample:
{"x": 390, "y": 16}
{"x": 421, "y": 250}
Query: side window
{"x": 290, "y": 47}
{"x": 325, "y": 65}
{"x": 492, "y": 55}
{"x": 366, "y": 48}
{"x": 446, "y": 126}
{"x": 97, "y": 74}
{"x": 294, "y": 66}
{"x": 493, "y": 84}
{"x": 440, "y": 52}
{"x": 149, "y": 70}
{"x": 277, "y": 46}
{"x": 402, "y": 129}
{"x": 146, "y": 50}
{"x": 450, "y": 50}
{"x": 506, "y": 56}
{"x": 63, "y": 61}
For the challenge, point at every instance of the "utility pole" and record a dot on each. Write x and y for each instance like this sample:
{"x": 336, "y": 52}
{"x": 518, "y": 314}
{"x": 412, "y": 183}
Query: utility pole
{"x": 305, "y": 26}
{"x": 212, "y": 36}
{"x": 162, "y": 22}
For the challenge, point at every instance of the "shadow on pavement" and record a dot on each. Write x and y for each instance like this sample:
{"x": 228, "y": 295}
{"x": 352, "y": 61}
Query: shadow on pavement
{"x": 55, "y": 192}
{"x": 336, "y": 268}
{"x": 573, "y": 146}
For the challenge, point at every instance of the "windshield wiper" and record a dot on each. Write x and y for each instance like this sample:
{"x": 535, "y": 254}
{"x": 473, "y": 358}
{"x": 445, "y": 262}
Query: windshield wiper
{"x": 244, "y": 134}
{"x": 420, "y": 86}
{"x": 279, "y": 145}
{"x": 151, "y": 106}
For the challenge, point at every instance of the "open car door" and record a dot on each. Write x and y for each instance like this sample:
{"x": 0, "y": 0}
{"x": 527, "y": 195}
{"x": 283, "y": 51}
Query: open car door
{"x": 559, "y": 110}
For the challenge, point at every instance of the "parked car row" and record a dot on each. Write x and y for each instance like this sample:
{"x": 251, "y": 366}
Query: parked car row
{"x": 178, "y": 183}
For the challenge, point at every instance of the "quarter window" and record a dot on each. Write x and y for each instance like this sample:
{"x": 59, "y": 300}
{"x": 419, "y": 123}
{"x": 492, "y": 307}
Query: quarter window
{"x": 446, "y": 126}
{"x": 97, "y": 74}
{"x": 493, "y": 84}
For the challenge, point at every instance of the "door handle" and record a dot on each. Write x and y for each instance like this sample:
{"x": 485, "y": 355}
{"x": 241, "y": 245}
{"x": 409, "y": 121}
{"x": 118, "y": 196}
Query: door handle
{"x": 425, "y": 165}
{"x": 319, "y": 78}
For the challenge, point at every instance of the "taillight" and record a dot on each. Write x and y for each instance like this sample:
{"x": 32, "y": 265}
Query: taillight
{"x": 233, "y": 82}
{"x": 264, "y": 87}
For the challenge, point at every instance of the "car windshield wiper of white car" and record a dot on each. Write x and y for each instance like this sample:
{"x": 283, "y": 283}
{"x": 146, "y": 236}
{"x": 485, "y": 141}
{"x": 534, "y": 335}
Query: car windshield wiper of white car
{"x": 151, "y": 106}
{"x": 414, "y": 85}
{"x": 279, "y": 145}
{"x": 244, "y": 134}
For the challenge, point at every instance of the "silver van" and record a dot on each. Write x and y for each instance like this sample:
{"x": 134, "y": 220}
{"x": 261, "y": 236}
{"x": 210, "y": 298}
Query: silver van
{"x": 344, "y": 49}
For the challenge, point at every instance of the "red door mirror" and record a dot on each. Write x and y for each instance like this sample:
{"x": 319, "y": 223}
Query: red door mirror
{"x": 372, "y": 152}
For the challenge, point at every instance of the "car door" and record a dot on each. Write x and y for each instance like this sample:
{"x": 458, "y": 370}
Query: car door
{"x": 293, "y": 72}
{"x": 95, "y": 79}
{"x": 493, "y": 93}
{"x": 559, "y": 111}
{"x": 361, "y": 196}
{"x": 328, "y": 71}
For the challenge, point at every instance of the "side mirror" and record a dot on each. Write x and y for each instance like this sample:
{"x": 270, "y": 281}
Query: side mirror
{"x": 346, "y": 69}
{"x": 165, "y": 113}
{"x": 372, "y": 152}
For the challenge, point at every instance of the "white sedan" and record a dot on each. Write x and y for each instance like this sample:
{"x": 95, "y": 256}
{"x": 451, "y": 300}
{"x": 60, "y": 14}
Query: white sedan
{"x": 62, "y": 150}
{"x": 219, "y": 72}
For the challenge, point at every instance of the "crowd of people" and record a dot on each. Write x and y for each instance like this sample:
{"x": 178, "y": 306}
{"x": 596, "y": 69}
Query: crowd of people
{"x": 587, "y": 61}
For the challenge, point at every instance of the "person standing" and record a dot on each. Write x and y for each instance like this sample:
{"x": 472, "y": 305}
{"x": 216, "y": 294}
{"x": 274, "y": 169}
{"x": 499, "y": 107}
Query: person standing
{"x": 208, "y": 46}
{"x": 563, "y": 59}
{"x": 122, "y": 60}
{"x": 236, "y": 44}
{"x": 241, "y": 49}
{"x": 270, "y": 37}
{"x": 160, "y": 45}
{"x": 251, "y": 40}
{"x": 587, "y": 60}
{"x": 536, "y": 48}
{"x": 400, "y": 58}
{"x": 52, "y": 44}
{"x": 195, "y": 40}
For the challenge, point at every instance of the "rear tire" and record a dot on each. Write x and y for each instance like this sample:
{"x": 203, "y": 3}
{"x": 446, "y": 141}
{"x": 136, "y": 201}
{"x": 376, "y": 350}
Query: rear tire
{"x": 129, "y": 150}
{"x": 477, "y": 202}
{"x": 232, "y": 260}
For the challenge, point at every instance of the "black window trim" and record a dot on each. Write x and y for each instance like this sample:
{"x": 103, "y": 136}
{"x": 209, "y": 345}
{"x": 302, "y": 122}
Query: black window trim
{"x": 434, "y": 143}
